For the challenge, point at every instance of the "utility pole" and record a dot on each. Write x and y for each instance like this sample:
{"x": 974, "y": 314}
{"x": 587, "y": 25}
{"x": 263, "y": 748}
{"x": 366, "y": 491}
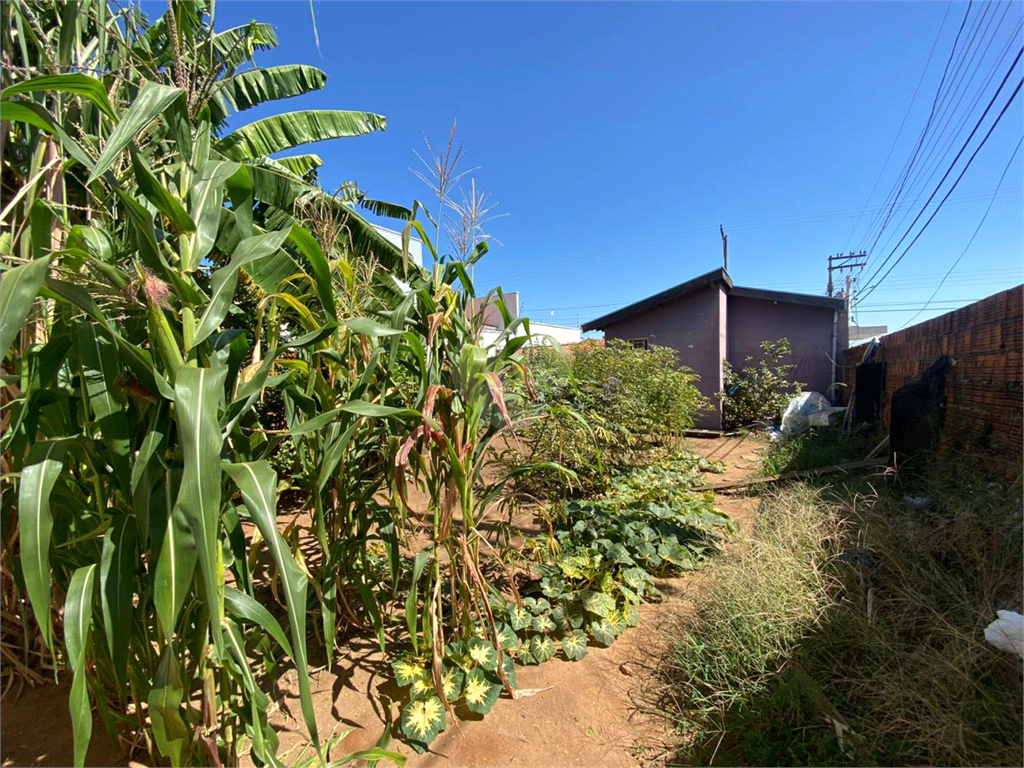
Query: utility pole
{"x": 848, "y": 263}
{"x": 725, "y": 248}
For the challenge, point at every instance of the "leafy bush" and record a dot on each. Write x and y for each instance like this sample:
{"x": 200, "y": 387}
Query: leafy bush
{"x": 598, "y": 408}
{"x": 761, "y": 389}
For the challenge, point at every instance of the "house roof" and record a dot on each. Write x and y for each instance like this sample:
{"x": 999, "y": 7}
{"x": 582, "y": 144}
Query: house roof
{"x": 710, "y": 278}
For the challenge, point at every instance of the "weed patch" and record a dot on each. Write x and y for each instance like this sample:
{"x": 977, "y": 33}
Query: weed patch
{"x": 849, "y": 631}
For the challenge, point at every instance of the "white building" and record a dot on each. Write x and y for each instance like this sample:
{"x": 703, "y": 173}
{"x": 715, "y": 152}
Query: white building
{"x": 415, "y": 244}
{"x": 542, "y": 333}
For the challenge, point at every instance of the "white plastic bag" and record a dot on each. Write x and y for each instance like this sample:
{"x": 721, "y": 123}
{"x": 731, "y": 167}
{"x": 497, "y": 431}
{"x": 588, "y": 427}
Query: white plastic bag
{"x": 806, "y": 410}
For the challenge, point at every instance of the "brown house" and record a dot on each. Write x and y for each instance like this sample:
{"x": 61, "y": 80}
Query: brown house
{"x": 708, "y": 320}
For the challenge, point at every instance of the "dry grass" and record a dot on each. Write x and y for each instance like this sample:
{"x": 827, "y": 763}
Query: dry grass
{"x": 851, "y": 609}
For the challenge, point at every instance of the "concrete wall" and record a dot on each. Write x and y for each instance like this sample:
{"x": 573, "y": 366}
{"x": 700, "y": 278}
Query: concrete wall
{"x": 809, "y": 330}
{"x": 695, "y": 326}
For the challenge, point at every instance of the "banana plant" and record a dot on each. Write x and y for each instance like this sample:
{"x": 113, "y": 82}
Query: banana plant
{"x": 137, "y": 389}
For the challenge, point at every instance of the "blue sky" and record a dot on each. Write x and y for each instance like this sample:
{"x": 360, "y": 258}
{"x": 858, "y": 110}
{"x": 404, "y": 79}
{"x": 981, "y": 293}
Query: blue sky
{"x": 617, "y": 137}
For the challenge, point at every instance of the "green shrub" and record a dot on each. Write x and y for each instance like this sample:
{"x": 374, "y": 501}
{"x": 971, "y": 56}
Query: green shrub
{"x": 599, "y": 409}
{"x": 761, "y": 389}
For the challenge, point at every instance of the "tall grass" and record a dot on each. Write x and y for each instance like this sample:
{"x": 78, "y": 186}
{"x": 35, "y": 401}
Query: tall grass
{"x": 849, "y": 630}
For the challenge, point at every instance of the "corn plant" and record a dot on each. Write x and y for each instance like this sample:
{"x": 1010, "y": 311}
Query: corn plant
{"x": 131, "y": 428}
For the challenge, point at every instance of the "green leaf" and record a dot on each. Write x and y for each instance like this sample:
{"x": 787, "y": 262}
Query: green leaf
{"x": 479, "y": 692}
{"x": 602, "y": 631}
{"x": 225, "y": 280}
{"x": 43, "y": 467}
{"x": 100, "y": 369}
{"x": 307, "y": 245}
{"x": 373, "y": 410}
{"x": 257, "y": 86}
{"x": 77, "y": 625}
{"x": 598, "y": 603}
{"x": 165, "y": 698}
{"x": 292, "y": 129}
{"x": 300, "y": 165}
{"x": 151, "y": 102}
{"x": 483, "y": 654}
{"x": 368, "y": 327}
{"x": 246, "y": 608}
{"x": 76, "y": 83}
{"x": 258, "y": 484}
{"x": 159, "y": 195}
{"x": 206, "y": 200}
{"x": 574, "y": 645}
{"x": 34, "y": 114}
{"x": 412, "y": 600}
{"x": 507, "y": 638}
{"x": 542, "y": 648}
{"x": 542, "y": 624}
{"x": 519, "y": 617}
{"x": 197, "y": 394}
{"x": 408, "y": 670}
{"x": 18, "y": 290}
{"x": 422, "y": 720}
{"x": 118, "y": 562}
{"x": 175, "y": 566}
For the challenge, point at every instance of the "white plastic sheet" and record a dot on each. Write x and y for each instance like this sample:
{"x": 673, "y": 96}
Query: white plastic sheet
{"x": 806, "y": 410}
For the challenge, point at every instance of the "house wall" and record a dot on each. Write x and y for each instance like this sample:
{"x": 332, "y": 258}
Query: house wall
{"x": 809, "y": 330}
{"x": 695, "y": 326}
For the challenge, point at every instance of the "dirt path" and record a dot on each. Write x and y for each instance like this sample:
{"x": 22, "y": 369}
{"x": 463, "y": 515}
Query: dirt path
{"x": 587, "y": 713}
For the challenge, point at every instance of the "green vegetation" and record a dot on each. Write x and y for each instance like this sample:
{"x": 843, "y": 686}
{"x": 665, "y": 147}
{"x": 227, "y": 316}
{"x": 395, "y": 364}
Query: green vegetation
{"x": 761, "y": 389}
{"x": 848, "y": 630}
{"x": 818, "y": 447}
{"x": 601, "y": 409}
{"x": 210, "y": 362}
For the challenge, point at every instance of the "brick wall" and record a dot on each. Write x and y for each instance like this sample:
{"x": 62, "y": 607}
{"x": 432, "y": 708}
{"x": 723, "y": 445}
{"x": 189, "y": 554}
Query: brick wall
{"x": 984, "y": 398}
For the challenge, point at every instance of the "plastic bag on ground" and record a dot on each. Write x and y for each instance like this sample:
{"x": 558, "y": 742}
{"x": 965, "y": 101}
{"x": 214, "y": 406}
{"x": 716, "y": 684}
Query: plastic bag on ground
{"x": 806, "y": 410}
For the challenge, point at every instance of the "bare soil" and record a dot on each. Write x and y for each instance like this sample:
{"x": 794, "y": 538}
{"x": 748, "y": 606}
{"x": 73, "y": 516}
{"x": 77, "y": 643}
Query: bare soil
{"x": 588, "y": 713}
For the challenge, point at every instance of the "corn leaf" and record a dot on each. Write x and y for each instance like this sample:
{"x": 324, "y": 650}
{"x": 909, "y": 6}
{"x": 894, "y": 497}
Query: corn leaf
{"x": 205, "y": 202}
{"x": 77, "y": 625}
{"x": 225, "y": 280}
{"x": 258, "y": 484}
{"x": 159, "y": 195}
{"x": 76, "y": 83}
{"x": 18, "y": 290}
{"x": 118, "y": 561}
{"x": 152, "y": 101}
{"x": 246, "y": 608}
{"x": 197, "y": 393}
{"x": 165, "y": 697}
{"x": 43, "y": 467}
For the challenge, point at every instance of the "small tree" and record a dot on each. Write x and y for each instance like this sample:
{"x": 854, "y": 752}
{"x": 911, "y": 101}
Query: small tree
{"x": 761, "y": 389}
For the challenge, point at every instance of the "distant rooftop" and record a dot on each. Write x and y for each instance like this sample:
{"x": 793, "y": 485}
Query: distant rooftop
{"x": 710, "y": 278}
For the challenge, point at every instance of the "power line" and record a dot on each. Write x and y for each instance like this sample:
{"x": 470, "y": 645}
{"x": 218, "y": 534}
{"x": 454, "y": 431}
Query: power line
{"x": 967, "y": 247}
{"x": 939, "y": 146}
{"x": 898, "y": 188}
{"x": 899, "y": 132}
{"x": 946, "y": 175}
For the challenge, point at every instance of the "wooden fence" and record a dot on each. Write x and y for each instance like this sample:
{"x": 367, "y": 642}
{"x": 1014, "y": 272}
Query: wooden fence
{"x": 984, "y": 397}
